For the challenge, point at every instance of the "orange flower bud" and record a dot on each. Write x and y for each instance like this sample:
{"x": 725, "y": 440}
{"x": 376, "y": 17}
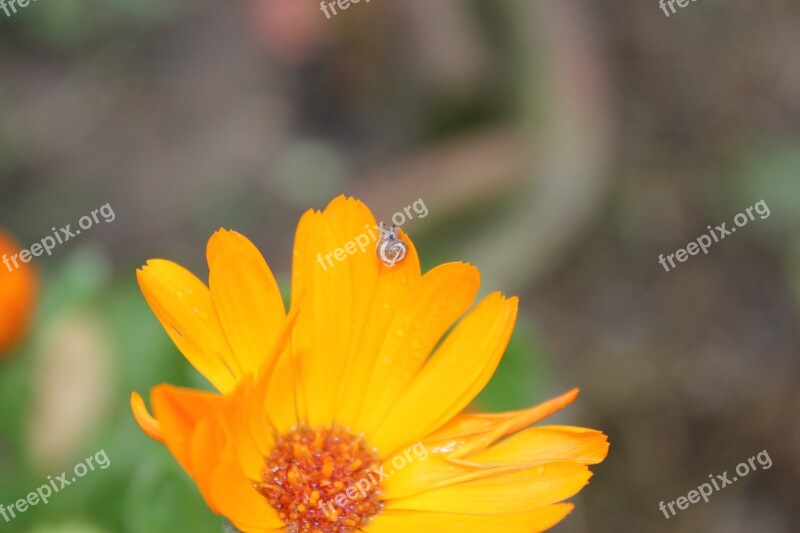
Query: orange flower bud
{"x": 18, "y": 286}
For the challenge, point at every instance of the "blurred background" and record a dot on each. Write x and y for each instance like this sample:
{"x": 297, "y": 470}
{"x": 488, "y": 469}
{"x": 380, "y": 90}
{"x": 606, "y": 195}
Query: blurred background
{"x": 561, "y": 146}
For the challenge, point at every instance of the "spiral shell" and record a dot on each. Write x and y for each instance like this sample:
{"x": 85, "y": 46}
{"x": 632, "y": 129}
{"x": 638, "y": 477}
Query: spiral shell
{"x": 390, "y": 248}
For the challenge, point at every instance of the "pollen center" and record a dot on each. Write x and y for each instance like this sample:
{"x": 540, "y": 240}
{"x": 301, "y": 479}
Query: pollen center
{"x": 322, "y": 481}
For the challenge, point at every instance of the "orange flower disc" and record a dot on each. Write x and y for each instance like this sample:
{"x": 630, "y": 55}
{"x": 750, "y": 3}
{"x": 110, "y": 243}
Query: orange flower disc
{"x": 17, "y": 294}
{"x": 323, "y": 480}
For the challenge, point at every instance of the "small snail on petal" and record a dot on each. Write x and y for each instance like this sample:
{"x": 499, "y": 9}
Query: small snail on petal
{"x": 390, "y": 248}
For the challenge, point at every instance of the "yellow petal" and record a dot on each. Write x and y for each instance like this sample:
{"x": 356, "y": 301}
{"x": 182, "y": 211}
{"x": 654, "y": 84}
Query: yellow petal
{"x": 469, "y": 433}
{"x": 530, "y": 448}
{"x": 249, "y": 413}
{"x": 394, "y": 287}
{"x": 437, "y": 472}
{"x": 237, "y": 499}
{"x": 516, "y": 491}
{"x": 284, "y": 401}
{"x": 230, "y": 243}
{"x": 433, "y": 522}
{"x": 456, "y": 373}
{"x": 275, "y": 401}
{"x": 243, "y": 435}
{"x": 194, "y": 428}
{"x": 323, "y": 329}
{"x": 149, "y": 425}
{"x": 434, "y": 472}
{"x": 183, "y": 305}
{"x": 178, "y": 412}
{"x": 546, "y": 444}
{"x": 441, "y": 297}
{"x": 356, "y": 225}
{"x": 246, "y": 297}
{"x": 335, "y": 274}
{"x": 206, "y": 446}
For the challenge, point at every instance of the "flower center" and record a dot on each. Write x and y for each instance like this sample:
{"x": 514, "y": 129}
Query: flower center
{"x": 322, "y": 480}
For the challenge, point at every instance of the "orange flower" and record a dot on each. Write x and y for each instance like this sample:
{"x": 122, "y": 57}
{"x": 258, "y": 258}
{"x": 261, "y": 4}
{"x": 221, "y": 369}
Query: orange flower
{"x": 17, "y": 294}
{"x": 346, "y": 414}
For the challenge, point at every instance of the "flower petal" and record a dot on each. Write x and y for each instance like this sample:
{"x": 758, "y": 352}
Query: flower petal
{"x": 456, "y": 373}
{"x": 546, "y": 444}
{"x": 507, "y": 492}
{"x": 534, "y": 447}
{"x": 194, "y": 428}
{"x": 236, "y": 497}
{"x": 149, "y": 425}
{"x": 434, "y": 472}
{"x": 442, "y": 296}
{"x": 337, "y": 298}
{"x": 246, "y": 297}
{"x": 394, "y": 287}
{"x": 323, "y": 329}
{"x": 183, "y": 305}
{"x": 205, "y": 447}
{"x": 470, "y": 432}
{"x": 432, "y": 522}
{"x": 239, "y": 407}
{"x": 273, "y": 403}
{"x": 178, "y": 412}
{"x": 284, "y": 401}
{"x": 250, "y": 415}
